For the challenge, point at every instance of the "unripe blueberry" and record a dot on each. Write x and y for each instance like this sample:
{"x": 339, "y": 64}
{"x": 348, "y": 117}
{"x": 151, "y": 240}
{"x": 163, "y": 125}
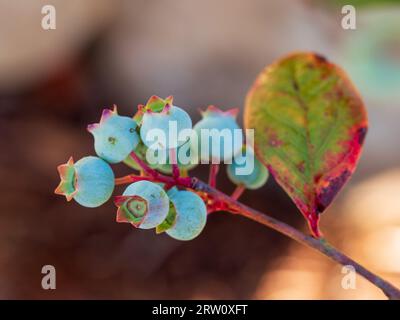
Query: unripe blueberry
{"x": 246, "y": 170}
{"x": 191, "y": 215}
{"x": 218, "y": 124}
{"x": 140, "y": 151}
{"x": 115, "y": 136}
{"x": 159, "y": 119}
{"x": 144, "y": 204}
{"x": 90, "y": 181}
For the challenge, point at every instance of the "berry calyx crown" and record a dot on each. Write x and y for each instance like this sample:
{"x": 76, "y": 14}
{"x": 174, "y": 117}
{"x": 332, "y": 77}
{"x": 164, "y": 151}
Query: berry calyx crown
{"x": 131, "y": 209}
{"x": 105, "y": 116}
{"x": 67, "y": 186}
{"x": 214, "y": 111}
{"x": 155, "y": 104}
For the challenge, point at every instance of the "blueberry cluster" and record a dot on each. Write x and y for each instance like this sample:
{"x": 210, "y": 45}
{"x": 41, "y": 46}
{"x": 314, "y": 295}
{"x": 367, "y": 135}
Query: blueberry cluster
{"x": 147, "y": 203}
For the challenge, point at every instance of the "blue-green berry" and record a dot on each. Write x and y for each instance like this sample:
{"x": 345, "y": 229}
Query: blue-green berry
{"x": 115, "y": 136}
{"x": 191, "y": 215}
{"x": 144, "y": 204}
{"x": 217, "y": 137}
{"x": 140, "y": 151}
{"x": 161, "y": 127}
{"x": 90, "y": 181}
{"x": 246, "y": 170}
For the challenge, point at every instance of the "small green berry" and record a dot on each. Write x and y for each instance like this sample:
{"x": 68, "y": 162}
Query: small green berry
{"x": 219, "y": 124}
{"x": 115, "y": 136}
{"x": 144, "y": 204}
{"x": 247, "y": 170}
{"x": 159, "y": 116}
{"x": 140, "y": 151}
{"x": 190, "y": 215}
{"x": 90, "y": 181}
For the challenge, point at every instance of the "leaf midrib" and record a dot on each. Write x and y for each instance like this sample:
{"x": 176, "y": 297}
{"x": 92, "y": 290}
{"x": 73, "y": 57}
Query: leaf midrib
{"x": 310, "y": 153}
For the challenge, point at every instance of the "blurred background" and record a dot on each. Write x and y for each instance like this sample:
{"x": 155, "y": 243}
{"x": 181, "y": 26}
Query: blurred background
{"x": 54, "y": 82}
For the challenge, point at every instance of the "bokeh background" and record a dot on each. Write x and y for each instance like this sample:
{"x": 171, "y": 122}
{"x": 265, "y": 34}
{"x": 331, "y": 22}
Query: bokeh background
{"x": 54, "y": 82}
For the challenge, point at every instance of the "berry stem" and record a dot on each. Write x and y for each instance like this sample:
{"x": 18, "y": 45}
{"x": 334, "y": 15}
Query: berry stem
{"x": 175, "y": 168}
{"x": 238, "y": 192}
{"x": 320, "y": 244}
{"x": 212, "y": 178}
{"x": 145, "y": 168}
{"x": 156, "y": 176}
{"x": 131, "y": 178}
{"x": 221, "y": 201}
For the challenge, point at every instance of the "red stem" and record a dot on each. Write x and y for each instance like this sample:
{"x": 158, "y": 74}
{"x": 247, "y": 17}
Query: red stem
{"x": 175, "y": 168}
{"x": 131, "y": 178}
{"x": 212, "y": 179}
{"x": 169, "y": 181}
{"x": 320, "y": 245}
{"x": 238, "y": 192}
{"x": 227, "y": 203}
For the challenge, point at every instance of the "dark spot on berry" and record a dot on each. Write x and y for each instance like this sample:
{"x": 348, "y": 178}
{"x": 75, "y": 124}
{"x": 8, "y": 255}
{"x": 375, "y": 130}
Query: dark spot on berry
{"x": 131, "y": 130}
{"x": 112, "y": 140}
{"x": 327, "y": 194}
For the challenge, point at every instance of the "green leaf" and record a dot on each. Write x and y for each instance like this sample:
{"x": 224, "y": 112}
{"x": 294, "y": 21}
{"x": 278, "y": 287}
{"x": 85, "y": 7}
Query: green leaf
{"x": 309, "y": 124}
